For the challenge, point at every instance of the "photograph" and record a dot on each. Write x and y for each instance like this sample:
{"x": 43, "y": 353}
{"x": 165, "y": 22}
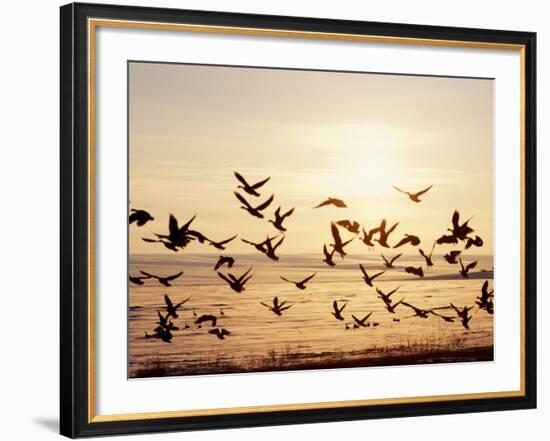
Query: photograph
{"x": 289, "y": 219}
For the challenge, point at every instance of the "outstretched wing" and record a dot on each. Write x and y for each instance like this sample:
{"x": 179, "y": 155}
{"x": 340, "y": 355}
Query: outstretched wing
{"x": 167, "y": 300}
{"x": 148, "y": 274}
{"x": 182, "y": 302}
{"x": 242, "y": 200}
{"x": 307, "y": 279}
{"x": 402, "y": 242}
{"x": 173, "y": 277}
{"x": 241, "y": 179}
{"x": 336, "y": 235}
{"x": 265, "y": 204}
{"x": 395, "y": 258}
{"x": 401, "y": 191}
{"x": 223, "y": 242}
{"x": 471, "y": 265}
{"x": 288, "y": 213}
{"x": 286, "y": 280}
{"x": 322, "y": 204}
{"x": 363, "y": 270}
{"x": 421, "y": 192}
{"x": 260, "y": 184}
{"x": 222, "y": 276}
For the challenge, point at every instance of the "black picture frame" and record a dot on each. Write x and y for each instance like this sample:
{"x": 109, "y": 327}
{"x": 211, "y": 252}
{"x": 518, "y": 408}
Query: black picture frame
{"x": 75, "y": 415}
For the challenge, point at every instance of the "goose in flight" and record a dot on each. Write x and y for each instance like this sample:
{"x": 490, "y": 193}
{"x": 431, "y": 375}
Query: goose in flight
{"x": 361, "y": 322}
{"x": 351, "y": 226}
{"x": 177, "y": 237}
{"x": 221, "y": 333}
{"x": 389, "y": 263}
{"x": 465, "y": 269}
{"x": 368, "y": 236}
{"x": 270, "y": 248}
{"x": 206, "y": 318}
{"x": 485, "y": 301}
{"x": 279, "y": 218}
{"x": 260, "y": 246}
{"x": 166, "y": 243}
{"x": 464, "y": 315}
{"x": 427, "y": 257}
{"x": 391, "y": 307}
{"x": 445, "y": 318}
{"x": 138, "y": 280}
{"x": 254, "y": 211}
{"x": 163, "y": 280}
{"x": 250, "y": 189}
{"x": 409, "y": 238}
{"x": 416, "y": 271}
{"x": 328, "y": 256}
{"x": 332, "y": 201}
{"x": 451, "y": 257}
{"x": 172, "y": 309}
{"x": 337, "y": 313}
{"x": 368, "y": 279}
{"x": 477, "y": 242}
{"x": 338, "y": 245}
{"x": 236, "y": 283}
{"x": 447, "y": 239}
{"x": 386, "y": 298}
{"x": 302, "y": 283}
{"x": 224, "y": 260}
{"x": 384, "y": 234}
{"x": 140, "y": 217}
{"x": 165, "y": 323}
{"x": 418, "y": 312}
{"x": 415, "y": 197}
{"x": 221, "y": 244}
{"x": 163, "y": 334}
{"x": 277, "y": 308}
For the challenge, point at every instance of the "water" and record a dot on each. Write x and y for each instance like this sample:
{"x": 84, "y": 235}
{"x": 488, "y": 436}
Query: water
{"x": 307, "y": 332}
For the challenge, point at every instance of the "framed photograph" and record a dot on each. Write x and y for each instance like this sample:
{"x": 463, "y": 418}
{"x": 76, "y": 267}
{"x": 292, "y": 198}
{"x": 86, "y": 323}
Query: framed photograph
{"x": 272, "y": 220}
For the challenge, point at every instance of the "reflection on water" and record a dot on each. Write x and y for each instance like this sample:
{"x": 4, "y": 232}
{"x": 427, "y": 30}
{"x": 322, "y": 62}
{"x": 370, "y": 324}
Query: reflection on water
{"x": 261, "y": 340}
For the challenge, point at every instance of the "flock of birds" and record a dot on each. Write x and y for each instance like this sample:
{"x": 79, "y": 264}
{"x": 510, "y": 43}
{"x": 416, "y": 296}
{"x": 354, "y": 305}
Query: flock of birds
{"x": 178, "y": 237}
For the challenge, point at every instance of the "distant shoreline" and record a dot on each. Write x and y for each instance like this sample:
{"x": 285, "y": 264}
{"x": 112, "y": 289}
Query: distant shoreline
{"x": 297, "y": 362}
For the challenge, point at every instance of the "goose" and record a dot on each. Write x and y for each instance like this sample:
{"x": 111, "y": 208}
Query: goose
{"x": 140, "y": 217}
{"x": 368, "y": 279}
{"x": 221, "y": 244}
{"x": 172, "y": 309}
{"x": 250, "y": 189}
{"x": 427, "y": 257}
{"x": 465, "y": 269}
{"x": 414, "y": 196}
{"x": 138, "y": 280}
{"x": 224, "y": 260}
{"x": 409, "y": 238}
{"x": 277, "y": 308}
{"x": 165, "y": 323}
{"x": 279, "y": 218}
{"x": 351, "y": 226}
{"x": 391, "y": 306}
{"x": 338, "y": 245}
{"x": 163, "y": 280}
{"x": 337, "y": 313}
{"x": 464, "y": 315}
{"x": 477, "y": 242}
{"x": 270, "y": 248}
{"x": 416, "y": 271}
{"x": 328, "y": 256}
{"x": 368, "y": 237}
{"x": 254, "y": 211}
{"x": 384, "y": 234}
{"x": 361, "y": 322}
{"x": 177, "y": 237}
{"x": 332, "y": 201}
{"x": 485, "y": 301}
{"x": 206, "y": 318}
{"x": 237, "y": 283}
{"x": 389, "y": 263}
{"x": 386, "y": 298}
{"x": 451, "y": 256}
{"x": 302, "y": 283}
{"x": 418, "y": 312}
{"x": 221, "y": 333}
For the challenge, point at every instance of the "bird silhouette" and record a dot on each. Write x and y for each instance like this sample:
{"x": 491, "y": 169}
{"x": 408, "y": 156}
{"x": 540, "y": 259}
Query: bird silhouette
{"x": 369, "y": 236}
{"x": 451, "y": 257}
{"x": 368, "y": 279}
{"x": 485, "y": 301}
{"x": 384, "y": 234}
{"x": 351, "y": 226}
{"x": 237, "y": 283}
{"x": 224, "y": 260}
{"x": 463, "y": 314}
{"x": 338, "y": 245}
{"x": 221, "y": 333}
{"x": 447, "y": 239}
{"x": 279, "y": 218}
{"x": 250, "y": 189}
{"x": 328, "y": 256}
{"x": 140, "y": 217}
{"x": 414, "y": 196}
{"x": 302, "y": 283}
{"x": 177, "y": 237}
{"x": 465, "y": 269}
{"x": 172, "y": 309}
{"x": 418, "y": 312}
{"x": 262, "y": 247}
{"x": 138, "y": 280}
{"x": 391, "y": 306}
{"x": 389, "y": 263}
{"x": 386, "y": 298}
{"x": 337, "y": 313}
{"x": 206, "y": 318}
{"x": 409, "y": 238}
{"x": 332, "y": 201}
{"x": 416, "y": 271}
{"x": 165, "y": 242}
{"x": 165, "y": 323}
{"x": 477, "y": 242}
{"x": 277, "y": 308}
{"x": 163, "y": 280}
{"x": 221, "y": 244}
{"x": 163, "y": 334}
{"x": 361, "y": 322}
{"x": 271, "y": 249}
{"x": 254, "y": 211}
{"x": 445, "y": 318}
{"x": 459, "y": 231}
{"x": 427, "y": 257}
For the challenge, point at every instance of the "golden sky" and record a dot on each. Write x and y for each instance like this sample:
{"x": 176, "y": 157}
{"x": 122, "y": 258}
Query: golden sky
{"x": 317, "y": 134}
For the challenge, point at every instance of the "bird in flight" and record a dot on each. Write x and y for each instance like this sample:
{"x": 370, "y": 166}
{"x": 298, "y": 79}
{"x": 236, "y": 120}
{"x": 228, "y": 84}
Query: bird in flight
{"x": 270, "y": 248}
{"x": 163, "y": 334}
{"x": 368, "y": 279}
{"x": 221, "y": 333}
{"x": 389, "y": 263}
{"x": 409, "y": 238}
{"x": 338, "y": 245}
{"x": 236, "y": 283}
{"x": 451, "y": 257}
{"x": 445, "y": 318}
{"x": 302, "y": 283}
{"x": 465, "y": 269}
{"x": 165, "y": 323}
{"x": 384, "y": 234}
{"x": 177, "y": 237}
{"x": 140, "y": 217}
{"x": 458, "y": 231}
{"x": 416, "y": 271}
{"x": 351, "y": 226}
{"x": 221, "y": 244}
{"x": 172, "y": 309}
{"x": 224, "y": 260}
{"x": 391, "y": 307}
{"x": 332, "y": 201}
{"x": 415, "y": 197}
{"x": 386, "y": 298}
{"x": 163, "y": 280}
{"x": 427, "y": 257}
{"x": 464, "y": 315}
{"x": 254, "y": 211}
{"x": 368, "y": 236}
{"x": 250, "y": 189}
{"x": 279, "y": 218}
{"x": 328, "y": 256}
{"x": 361, "y": 322}
{"x": 138, "y": 280}
{"x": 418, "y": 312}
{"x": 337, "y": 313}
{"x": 477, "y": 242}
{"x": 277, "y": 308}
{"x": 206, "y": 318}
{"x": 485, "y": 301}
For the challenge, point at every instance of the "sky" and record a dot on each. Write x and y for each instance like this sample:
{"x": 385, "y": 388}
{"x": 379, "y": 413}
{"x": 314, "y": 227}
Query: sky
{"x": 316, "y": 134}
